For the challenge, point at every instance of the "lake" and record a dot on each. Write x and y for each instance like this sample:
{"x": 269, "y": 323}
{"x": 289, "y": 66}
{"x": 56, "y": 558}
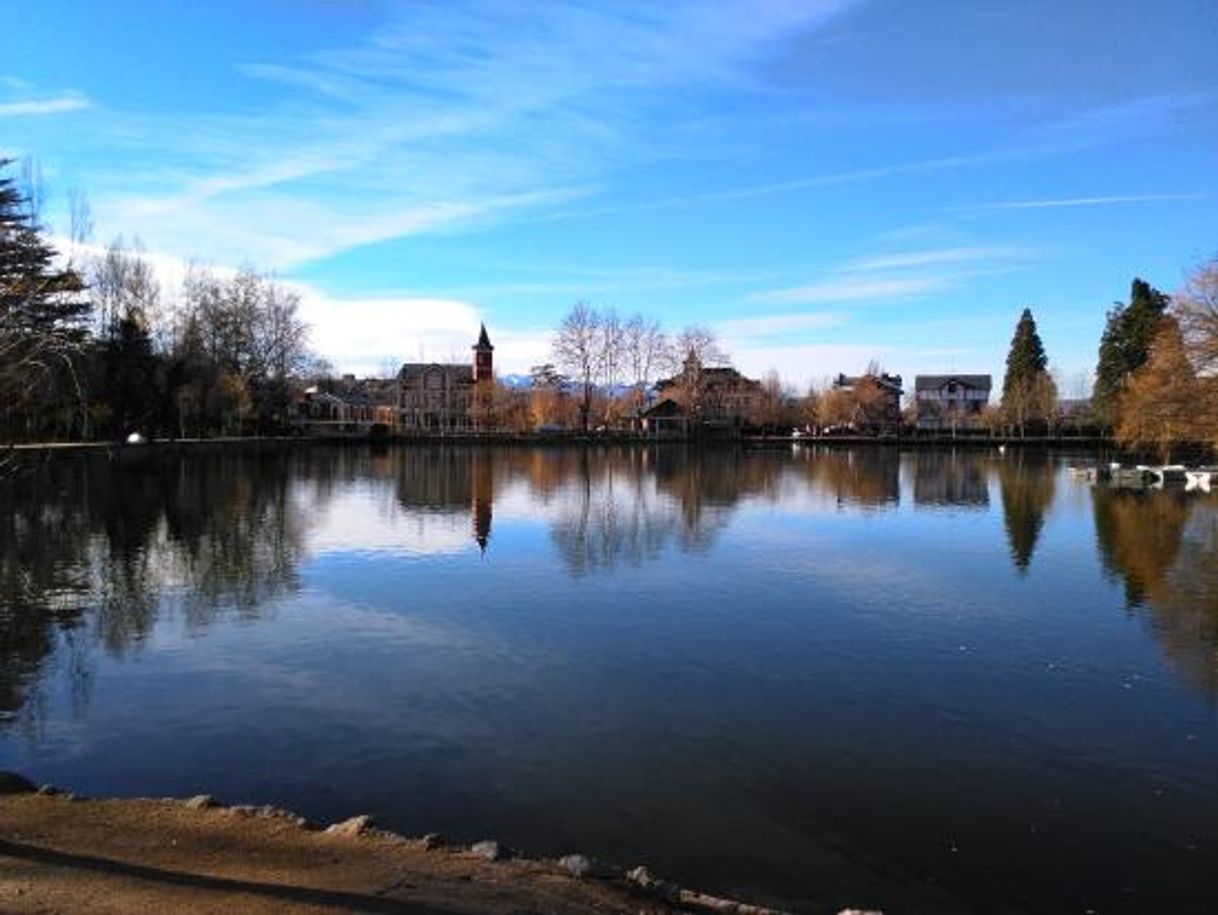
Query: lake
{"x": 918, "y": 681}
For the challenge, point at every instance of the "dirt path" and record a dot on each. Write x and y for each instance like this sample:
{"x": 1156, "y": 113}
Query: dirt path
{"x": 60, "y": 854}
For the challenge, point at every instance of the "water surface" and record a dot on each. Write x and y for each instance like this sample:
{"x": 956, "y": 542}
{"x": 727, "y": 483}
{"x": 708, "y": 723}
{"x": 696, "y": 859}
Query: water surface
{"x": 928, "y": 681}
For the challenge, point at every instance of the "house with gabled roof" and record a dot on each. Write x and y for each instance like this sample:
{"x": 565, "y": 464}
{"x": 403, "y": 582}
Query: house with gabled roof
{"x": 951, "y": 402}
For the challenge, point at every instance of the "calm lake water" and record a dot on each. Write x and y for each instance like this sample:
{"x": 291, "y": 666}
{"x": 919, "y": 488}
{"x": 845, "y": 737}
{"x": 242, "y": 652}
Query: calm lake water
{"x": 928, "y": 681}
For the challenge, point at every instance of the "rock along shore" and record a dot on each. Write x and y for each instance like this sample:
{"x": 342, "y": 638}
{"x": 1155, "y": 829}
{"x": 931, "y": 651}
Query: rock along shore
{"x": 63, "y": 853}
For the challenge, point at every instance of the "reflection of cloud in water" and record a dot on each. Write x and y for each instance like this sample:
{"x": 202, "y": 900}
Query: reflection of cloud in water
{"x": 361, "y": 521}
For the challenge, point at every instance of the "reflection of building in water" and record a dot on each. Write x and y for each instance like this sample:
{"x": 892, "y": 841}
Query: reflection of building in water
{"x": 950, "y": 479}
{"x": 483, "y": 496}
{"x": 867, "y": 477}
{"x": 448, "y": 483}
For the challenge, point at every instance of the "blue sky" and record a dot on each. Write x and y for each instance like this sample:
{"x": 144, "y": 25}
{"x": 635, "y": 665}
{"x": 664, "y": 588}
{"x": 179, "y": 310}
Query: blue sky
{"x": 823, "y": 182}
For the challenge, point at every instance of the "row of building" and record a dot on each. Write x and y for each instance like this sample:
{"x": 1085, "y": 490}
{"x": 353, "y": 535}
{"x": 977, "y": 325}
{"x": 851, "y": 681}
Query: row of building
{"x": 943, "y": 402}
{"x": 455, "y": 398}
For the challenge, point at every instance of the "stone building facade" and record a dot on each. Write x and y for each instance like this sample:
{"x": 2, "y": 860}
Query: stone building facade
{"x": 439, "y": 398}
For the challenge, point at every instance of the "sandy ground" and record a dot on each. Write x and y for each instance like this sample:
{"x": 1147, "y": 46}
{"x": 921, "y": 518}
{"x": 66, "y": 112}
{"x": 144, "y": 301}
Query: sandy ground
{"x": 65, "y": 854}
{"x": 71, "y": 855}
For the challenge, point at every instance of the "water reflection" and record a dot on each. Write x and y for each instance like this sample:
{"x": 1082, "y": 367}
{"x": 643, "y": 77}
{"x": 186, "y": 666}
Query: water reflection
{"x": 868, "y": 479}
{"x": 731, "y": 663}
{"x": 1162, "y": 546}
{"x": 951, "y": 479}
{"x": 451, "y": 481}
{"x": 97, "y": 553}
{"x": 1028, "y": 485}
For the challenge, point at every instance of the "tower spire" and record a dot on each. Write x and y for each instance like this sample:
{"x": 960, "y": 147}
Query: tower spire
{"x": 484, "y": 369}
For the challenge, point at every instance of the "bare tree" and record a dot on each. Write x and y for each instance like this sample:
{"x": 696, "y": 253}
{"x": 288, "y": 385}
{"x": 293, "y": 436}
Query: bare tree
{"x": 1196, "y": 308}
{"x": 612, "y": 356}
{"x": 80, "y": 218}
{"x": 242, "y": 342}
{"x": 123, "y": 287}
{"x": 700, "y": 341}
{"x": 697, "y": 349}
{"x": 577, "y": 350}
{"x": 648, "y": 352}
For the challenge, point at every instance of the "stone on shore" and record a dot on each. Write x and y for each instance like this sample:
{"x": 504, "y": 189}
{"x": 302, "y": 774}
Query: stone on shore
{"x": 199, "y": 802}
{"x": 489, "y": 849}
{"x": 575, "y": 865}
{"x": 356, "y": 826}
{"x": 432, "y": 841}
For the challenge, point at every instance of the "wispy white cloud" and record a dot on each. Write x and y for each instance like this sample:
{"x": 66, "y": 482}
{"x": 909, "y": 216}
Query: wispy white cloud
{"x": 897, "y": 275}
{"x": 60, "y": 104}
{"x": 1050, "y": 203}
{"x": 775, "y": 188}
{"x": 768, "y": 326}
{"x": 932, "y": 258}
{"x": 280, "y": 232}
{"x": 853, "y": 289}
{"x": 457, "y": 114}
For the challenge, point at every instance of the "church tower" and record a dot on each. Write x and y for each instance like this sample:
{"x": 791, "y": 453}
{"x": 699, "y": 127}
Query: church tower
{"x": 484, "y": 364}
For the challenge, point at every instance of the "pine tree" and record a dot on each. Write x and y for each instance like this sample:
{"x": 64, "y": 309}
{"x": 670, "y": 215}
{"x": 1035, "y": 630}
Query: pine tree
{"x": 1028, "y": 392}
{"x": 42, "y": 319}
{"x": 1125, "y": 345}
{"x": 34, "y": 294}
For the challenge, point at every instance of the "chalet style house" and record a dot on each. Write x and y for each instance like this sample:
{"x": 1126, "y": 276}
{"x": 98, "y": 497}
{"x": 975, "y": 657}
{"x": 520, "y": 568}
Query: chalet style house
{"x": 435, "y": 397}
{"x": 951, "y": 402}
{"x": 715, "y": 400}
{"x": 888, "y": 387}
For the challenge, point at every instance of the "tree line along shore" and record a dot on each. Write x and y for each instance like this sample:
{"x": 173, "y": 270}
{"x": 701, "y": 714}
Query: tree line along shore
{"x": 93, "y": 349}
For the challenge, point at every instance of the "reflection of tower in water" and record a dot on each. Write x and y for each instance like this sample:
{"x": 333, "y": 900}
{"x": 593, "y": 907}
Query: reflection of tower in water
{"x": 483, "y": 490}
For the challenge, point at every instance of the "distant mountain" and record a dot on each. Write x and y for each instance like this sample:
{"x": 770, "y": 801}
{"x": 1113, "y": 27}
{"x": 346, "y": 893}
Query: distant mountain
{"x": 516, "y": 382}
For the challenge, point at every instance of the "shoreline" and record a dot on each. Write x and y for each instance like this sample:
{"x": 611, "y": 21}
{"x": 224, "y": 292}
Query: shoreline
{"x": 67, "y": 853}
{"x": 122, "y": 450}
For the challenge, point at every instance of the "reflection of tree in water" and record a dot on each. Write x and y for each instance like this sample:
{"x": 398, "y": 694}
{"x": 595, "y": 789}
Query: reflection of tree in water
{"x": 1163, "y": 545}
{"x": 950, "y": 479}
{"x": 1028, "y": 485}
{"x": 870, "y": 478}
{"x": 92, "y": 551}
{"x": 625, "y": 505}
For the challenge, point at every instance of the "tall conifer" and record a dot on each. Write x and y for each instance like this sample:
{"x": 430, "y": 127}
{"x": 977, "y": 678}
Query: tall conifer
{"x": 1028, "y": 392}
{"x": 1125, "y": 345}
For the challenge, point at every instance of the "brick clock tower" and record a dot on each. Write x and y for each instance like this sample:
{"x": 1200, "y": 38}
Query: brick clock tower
{"x": 484, "y": 363}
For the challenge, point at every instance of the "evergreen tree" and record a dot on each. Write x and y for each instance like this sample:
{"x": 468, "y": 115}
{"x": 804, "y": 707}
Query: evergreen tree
{"x": 35, "y": 295}
{"x": 1028, "y": 393}
{"x": 42, "y": 321}
{"x": 130, "y": 375}
{"x": 1125, "y": 345}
